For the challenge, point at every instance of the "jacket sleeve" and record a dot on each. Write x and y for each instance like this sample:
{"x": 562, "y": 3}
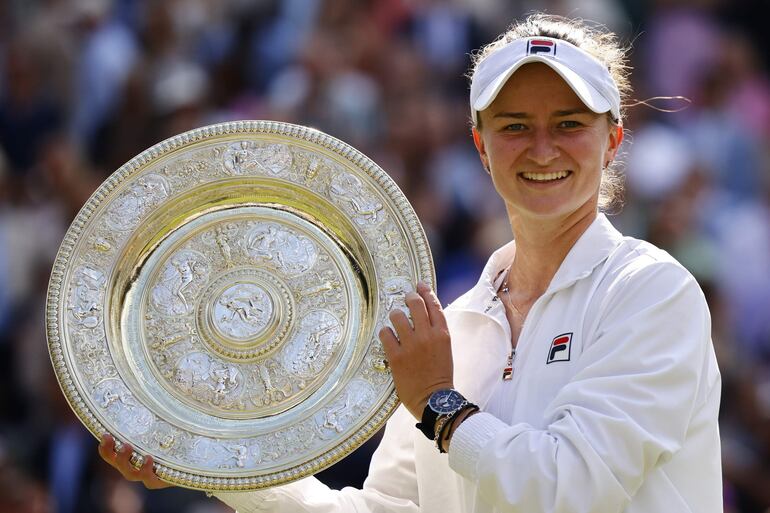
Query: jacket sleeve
{"x": 624, "y": 412}
{"x": 391, "y": 485}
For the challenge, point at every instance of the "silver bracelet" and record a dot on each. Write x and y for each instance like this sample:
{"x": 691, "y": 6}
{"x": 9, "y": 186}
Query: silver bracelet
{"x": 439, "y": 429}
{"x": 443, "y": 422}
{"x": 472, "y": 408}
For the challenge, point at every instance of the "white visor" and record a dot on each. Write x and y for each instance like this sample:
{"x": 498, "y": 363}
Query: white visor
{"x": 589, "y": 78}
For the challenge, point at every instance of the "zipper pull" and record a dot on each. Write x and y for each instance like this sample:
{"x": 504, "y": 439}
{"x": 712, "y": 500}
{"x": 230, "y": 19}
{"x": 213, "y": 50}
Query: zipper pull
{"x": 508, "y": 371}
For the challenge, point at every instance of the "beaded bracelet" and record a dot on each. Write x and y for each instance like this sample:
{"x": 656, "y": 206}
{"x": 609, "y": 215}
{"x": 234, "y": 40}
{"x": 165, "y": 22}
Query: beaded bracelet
{"x": 446, "y": 424}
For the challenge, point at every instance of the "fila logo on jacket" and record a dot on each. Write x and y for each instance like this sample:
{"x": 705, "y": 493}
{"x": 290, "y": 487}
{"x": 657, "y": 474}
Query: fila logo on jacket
{"x": 560, "y": 348}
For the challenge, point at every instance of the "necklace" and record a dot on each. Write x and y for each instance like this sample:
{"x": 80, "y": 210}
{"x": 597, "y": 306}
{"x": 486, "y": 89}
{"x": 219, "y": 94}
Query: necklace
{"x": 509, "y": 301}
{"x": 508, "y": 369}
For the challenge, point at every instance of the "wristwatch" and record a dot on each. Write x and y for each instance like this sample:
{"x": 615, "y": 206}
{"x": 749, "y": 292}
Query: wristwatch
{"x": 441, "y": 402}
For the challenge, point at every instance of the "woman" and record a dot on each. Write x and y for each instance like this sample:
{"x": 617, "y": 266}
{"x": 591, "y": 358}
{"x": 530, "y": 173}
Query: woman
{"x": 587, "y": 353}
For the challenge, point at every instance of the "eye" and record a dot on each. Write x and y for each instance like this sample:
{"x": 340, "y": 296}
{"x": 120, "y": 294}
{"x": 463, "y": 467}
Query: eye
{"x": 570, "y": 123}
{"x": 515, "y": 127}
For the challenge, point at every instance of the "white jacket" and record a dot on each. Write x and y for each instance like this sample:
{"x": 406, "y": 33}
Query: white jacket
{"x": 612, "y": 407}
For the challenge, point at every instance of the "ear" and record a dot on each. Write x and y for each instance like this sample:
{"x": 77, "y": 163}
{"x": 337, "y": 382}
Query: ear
{"x": 616, "y": 138}
{"x": 479, "y": 143}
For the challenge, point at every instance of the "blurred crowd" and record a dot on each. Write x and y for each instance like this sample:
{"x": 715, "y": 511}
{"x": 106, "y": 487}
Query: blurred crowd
{"x": 87, "y": 84}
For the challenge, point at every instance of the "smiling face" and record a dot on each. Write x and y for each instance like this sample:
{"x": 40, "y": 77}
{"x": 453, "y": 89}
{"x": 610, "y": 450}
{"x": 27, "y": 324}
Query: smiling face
{"x": 543, "y": 147}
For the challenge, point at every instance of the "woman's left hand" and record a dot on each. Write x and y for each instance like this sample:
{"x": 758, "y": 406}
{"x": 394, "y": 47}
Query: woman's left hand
{"x": 420, "y": 353}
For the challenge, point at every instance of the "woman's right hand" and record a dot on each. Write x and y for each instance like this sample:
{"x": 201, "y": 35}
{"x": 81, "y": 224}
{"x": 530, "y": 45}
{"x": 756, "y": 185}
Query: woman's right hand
{"x": 121, "y": 460}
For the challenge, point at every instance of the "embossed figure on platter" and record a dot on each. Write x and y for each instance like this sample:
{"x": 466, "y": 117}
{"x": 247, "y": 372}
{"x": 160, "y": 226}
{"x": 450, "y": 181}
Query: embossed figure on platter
{"x": 351, "y": 193}
{"x": 182, "y": 275}
{"x": 199, "y": 376}
{"x": 239, "y": 454}
{"x": 310, "y": 350}
{"x": 212, "y": 454}
{"x": 325, "y": 288}
{"x": 97, "y": 364}
{"x": 243, "y": 310}
{"x": 162, "y": 344}
{"x": 272, "y": 384}
{"x": 271, "y": 244}
{"x": 249, "y": 157}
{"x": 394, "y": 291}
{"x": 101, "y": 244}
{"x": 307, "y": 164}
{"x": 129, "y": 208}
{"x": 85, "y": 302}
{"x": 391, "y": 250}
{"x": 222, "y": 236}
{"x": 343, "y": 412}
{"x": 167, "y": 438}
{"x": 117, "y": 400}
{"x": 226, "y": 379}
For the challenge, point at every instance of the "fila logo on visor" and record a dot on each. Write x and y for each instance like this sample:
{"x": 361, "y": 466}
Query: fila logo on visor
{"x": 560, "y": 348}
{"x": 541, "y": 47}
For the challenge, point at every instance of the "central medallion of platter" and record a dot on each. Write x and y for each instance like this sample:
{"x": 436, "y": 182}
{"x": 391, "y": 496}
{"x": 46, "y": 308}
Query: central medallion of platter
{"x": 245, "y": 314}
{"x": 242, "y": 311}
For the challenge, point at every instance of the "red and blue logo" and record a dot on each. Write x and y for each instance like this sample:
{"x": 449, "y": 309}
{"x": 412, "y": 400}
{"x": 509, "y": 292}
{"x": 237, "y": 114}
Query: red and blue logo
{"x": 560, "y": 348}
{"x": 541, "y": 47}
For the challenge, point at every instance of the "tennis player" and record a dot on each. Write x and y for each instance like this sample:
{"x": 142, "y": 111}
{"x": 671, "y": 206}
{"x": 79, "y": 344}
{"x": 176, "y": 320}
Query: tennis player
{"x": 578, "y": 374}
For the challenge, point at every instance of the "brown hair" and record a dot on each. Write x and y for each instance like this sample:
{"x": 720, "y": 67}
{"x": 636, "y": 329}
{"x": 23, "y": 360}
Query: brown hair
{"x": 591, "y": 38}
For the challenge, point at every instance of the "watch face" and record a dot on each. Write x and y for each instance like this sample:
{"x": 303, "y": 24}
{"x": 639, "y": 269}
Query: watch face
{"x": 445, "y": 401}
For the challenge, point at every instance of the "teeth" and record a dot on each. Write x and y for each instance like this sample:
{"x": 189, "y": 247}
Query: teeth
{"x": 544, "y": 177}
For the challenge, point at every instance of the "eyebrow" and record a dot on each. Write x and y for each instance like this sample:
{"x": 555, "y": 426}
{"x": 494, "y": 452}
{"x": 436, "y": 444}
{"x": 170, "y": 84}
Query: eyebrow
{"x": 558, "y": 113}
{"x": 570, "y": 112}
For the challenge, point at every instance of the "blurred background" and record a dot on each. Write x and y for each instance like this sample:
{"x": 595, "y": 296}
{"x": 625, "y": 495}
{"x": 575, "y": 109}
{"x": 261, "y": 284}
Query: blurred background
{"x": 87, "y": 84}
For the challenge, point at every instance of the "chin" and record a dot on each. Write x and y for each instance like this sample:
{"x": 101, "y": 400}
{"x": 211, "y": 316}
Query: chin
{"x": 555, "y": 209}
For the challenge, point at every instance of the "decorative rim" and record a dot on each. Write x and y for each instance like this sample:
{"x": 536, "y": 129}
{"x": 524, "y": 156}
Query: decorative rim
{"x": 69, "y": 387}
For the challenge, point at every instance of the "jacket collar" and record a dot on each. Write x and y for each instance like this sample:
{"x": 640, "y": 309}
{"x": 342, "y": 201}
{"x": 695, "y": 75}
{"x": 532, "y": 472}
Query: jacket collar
{"x": 590, "y": 250}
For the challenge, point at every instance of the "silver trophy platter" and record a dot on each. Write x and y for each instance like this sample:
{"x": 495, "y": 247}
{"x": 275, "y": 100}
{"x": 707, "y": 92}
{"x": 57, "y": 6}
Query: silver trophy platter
{"x": 216, "y": 303}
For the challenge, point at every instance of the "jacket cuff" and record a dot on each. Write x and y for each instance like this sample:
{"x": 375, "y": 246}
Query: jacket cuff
{"x": 469, "y": 439}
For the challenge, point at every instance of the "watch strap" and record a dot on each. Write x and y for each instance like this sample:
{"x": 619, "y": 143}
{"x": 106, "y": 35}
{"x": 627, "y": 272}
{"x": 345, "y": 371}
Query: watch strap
{"x": 428, "y": 422}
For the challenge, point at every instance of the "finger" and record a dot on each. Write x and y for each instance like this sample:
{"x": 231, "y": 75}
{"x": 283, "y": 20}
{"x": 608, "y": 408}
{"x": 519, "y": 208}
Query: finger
{"x": 135, "y": 468}
{"x": 400, "y": 323}
{"x": 124, "y": 463}
{"x": 432, "y": 305}
{"x": 416, "y": 306}
{"x": 140, "y": 468}
{"x": 116, "y": 458}
{"x": 107, "y": 449}
{"x": 389, "y": 342}
{"x": 136, "y": 461}
{"x": 119, "y": 459}
{"x": 125, "y": 450}
{"x": 148, "y": 475}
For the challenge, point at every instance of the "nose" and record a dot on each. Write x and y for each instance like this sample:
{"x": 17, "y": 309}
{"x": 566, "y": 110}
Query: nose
{"x": 543, "y": 149}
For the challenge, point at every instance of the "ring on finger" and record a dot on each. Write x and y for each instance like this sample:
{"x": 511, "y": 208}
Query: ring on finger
{"x": 136, "y": 460}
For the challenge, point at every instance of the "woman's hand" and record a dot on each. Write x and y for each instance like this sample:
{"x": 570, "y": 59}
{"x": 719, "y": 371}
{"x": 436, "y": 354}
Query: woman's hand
{"x": 419, "y": 354}
{"x": 121, "y": 460}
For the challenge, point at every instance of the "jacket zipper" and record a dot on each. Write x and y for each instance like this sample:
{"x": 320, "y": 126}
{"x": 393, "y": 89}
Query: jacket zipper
{"x": 508, "y": 371}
